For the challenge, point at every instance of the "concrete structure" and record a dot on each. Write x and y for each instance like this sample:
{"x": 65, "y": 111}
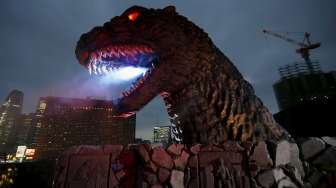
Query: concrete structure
{"x": 9, "y": 113}
{"x": 264, "y": 164}
{"x": 65, "y": 122}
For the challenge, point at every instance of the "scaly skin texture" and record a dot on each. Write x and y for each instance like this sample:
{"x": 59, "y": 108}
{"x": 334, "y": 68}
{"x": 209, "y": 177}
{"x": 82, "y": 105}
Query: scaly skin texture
{"x": 205, "y": 95}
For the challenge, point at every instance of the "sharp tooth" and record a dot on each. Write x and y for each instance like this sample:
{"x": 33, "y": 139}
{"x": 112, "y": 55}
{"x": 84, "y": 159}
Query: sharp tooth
{"x": 114, "y": 53}
{"x": 141, "y": 50}
{"x": 90, "y": 70}
{"x": 134, "y": 52}
{"x": 105, "y": 69}
{"x": 100, "y": 70}
{"x": 94, "y": 67}
{"x": 146, "y": 49}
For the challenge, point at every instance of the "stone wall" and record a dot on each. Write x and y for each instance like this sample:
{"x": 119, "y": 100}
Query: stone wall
{"x": 310, "y": 162}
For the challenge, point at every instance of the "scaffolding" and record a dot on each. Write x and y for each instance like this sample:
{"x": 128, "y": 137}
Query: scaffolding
{"x": 299, "y": 68}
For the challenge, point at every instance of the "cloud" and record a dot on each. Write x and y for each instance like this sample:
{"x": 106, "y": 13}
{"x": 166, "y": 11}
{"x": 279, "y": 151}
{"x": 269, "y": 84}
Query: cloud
{"x": 38, "y": 40}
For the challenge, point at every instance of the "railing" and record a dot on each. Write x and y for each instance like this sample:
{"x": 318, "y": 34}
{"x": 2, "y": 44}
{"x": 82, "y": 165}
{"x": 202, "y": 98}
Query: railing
{"x": 299, "y": 68}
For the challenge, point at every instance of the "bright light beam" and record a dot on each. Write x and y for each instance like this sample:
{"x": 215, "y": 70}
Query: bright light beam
{"x": 123, "y": 74}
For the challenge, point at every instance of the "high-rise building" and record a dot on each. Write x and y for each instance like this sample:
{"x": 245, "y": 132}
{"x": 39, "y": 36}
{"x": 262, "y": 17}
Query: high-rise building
{"x": 162, "y": 134}
{"x": 9, "y": 114}
{"x": 306, "y": 100}
{"x": 24, "y": 126}
{"x": 64, "y": 122}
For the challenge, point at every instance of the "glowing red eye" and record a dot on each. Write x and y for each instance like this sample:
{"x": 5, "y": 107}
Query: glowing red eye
{"x": 133, "y": 16}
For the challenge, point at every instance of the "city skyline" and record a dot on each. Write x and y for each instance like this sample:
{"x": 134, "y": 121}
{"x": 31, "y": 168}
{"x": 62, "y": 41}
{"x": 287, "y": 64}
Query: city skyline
{"x": 45, "y": 40}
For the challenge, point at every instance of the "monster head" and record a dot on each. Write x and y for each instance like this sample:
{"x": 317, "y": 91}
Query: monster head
{"x": 157, "y": 46}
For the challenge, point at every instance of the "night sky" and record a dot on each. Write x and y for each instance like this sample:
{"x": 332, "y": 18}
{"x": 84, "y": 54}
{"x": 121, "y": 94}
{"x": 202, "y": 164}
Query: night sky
{"x": 37, "y": 41}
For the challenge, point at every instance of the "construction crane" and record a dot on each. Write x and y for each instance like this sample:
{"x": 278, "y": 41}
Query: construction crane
{"x": 305, "y": 46}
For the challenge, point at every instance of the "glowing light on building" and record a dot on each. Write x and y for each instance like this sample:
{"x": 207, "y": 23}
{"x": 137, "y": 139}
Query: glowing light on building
{"x": 20, "y": 152}
{"x": 30, "y": 152}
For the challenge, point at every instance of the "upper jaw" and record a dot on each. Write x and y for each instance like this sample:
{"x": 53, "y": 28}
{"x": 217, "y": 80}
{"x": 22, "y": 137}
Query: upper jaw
{"x": 110, "y": 57}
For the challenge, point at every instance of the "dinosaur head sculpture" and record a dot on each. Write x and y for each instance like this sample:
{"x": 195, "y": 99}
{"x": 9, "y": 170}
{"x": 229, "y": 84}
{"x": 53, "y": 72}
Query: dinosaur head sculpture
{"x": 152, "y": 44}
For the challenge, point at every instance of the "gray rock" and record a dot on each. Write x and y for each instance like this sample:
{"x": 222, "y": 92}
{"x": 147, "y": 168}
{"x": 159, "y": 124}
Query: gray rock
{"x": 278, "y": 174}
{"x": 163, "y": 174}
{"x": 150, "y": 177}
{"x": 298, "y": 176}
{"x": 285, "y": 183}
{"x": 162, "y": 158}
{"x": 261, "y": 156}
{"x": 315, "y": 178}
{"x": 176, "y": 179}
{"x": 306, "y": 167}
{"x": 254, "y": 183}
{"x": 181, "y": 161}
{"x": 328, "y": 157}
{"x": 307, "y": 185}
{"x": 311, "y": 147}
{"x": 157, "y": 186}
{"x": 195, "y": 149}
{"x": 266, "y": 179}
{"x": 293, "y": 174}
{"x": 175, "y": 149}
{"x": 288, "y": 153}
{"x": 330, "y": 140}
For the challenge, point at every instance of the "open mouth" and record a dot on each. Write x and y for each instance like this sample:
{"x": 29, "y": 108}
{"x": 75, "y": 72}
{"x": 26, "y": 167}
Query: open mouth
{"x": 122, "y": 62}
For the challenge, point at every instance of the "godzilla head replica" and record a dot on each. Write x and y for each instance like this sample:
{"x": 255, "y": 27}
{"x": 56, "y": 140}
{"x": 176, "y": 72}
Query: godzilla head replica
{"x": 205, "y": 95}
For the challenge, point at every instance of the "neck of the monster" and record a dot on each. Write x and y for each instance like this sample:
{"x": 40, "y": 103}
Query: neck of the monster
{"x": 218, "y": 105}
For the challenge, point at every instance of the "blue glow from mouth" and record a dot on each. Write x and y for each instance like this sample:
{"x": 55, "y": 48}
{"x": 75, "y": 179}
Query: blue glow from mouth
{"x": 123, "y": 74}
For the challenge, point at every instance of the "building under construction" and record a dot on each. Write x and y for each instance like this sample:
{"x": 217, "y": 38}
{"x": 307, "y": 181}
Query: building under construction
{"x": 306, "y": 101}
{"x": 306, "y": 96}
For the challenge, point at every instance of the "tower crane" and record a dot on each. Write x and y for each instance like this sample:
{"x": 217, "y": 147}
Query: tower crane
{"x": 305, "y": 46}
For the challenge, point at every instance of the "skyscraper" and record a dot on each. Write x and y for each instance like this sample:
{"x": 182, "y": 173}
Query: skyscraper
{"x": 161, "y": 134}
{"x": 65, "y": 122}
{"x": 24, "y": 126}
{"x": 9, "y": 113}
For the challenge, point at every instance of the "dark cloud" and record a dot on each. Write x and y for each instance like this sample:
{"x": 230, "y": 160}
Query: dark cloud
{"x": 38, "y": 40}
